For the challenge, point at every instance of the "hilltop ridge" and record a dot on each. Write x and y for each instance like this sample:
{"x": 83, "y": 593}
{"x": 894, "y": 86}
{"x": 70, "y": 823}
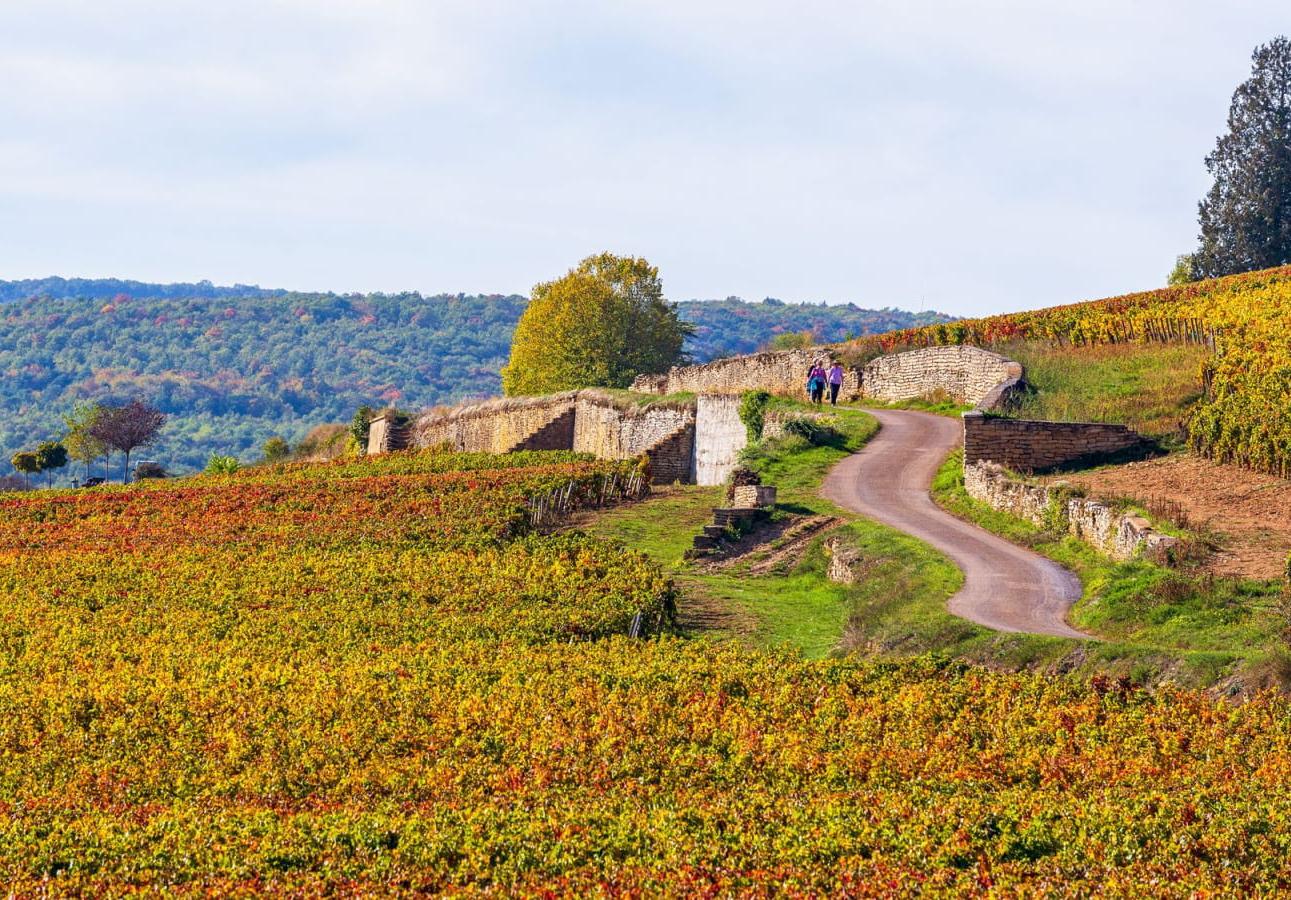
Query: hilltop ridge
{"x": 233, "y": 366}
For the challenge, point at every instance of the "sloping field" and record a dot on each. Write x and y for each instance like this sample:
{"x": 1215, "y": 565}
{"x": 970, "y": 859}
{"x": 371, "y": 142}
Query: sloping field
{"x": 1250, "y": 511}
{"x": 378, "y": 677}
{"x": 1245, "y": 414}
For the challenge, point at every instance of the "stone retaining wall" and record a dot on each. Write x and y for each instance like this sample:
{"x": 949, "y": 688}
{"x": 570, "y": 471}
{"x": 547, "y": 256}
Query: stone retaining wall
{"x": 501, "y": 426}
{"x": 968, "y": 374}
{"x": 1035, "y": 446}
{"x": 783, "y": 372}
{"x": 1096, "y": 523}
{"x": 613, "y": 429}
{"x": 621, "y": 431}
{"x": 385, "y": 434}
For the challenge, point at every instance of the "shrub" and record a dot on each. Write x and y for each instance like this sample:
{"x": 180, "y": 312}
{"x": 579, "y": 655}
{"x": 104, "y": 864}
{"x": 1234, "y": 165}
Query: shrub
{"x": 276, "y": 450}
{"x": 222, "y": 465}
{"x": 146, "y": 470}
{"x": 814, "y": 432}
{"x": 753, "y": 410}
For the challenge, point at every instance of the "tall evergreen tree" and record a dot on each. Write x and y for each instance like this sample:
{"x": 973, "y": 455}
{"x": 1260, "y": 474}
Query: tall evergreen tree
{"x": 1246, "y": 217}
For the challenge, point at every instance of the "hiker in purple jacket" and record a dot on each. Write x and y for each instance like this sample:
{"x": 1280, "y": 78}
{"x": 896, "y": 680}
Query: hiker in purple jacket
{"x": 816, "y": 383}
{"x": 835, "y": 382}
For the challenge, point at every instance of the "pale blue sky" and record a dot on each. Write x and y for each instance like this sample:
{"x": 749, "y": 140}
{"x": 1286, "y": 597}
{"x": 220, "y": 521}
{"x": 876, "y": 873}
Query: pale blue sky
{"x": 970, "y": 157}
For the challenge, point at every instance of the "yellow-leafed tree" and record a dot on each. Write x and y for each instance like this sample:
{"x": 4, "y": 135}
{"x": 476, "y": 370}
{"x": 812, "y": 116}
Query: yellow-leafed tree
{"x": 600, "y": 325}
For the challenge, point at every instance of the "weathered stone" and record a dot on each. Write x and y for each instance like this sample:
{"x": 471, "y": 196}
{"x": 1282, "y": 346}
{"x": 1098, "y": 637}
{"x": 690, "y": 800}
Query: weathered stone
{"x": 784, "y": 372}
{"x": 968, "y": 374}
{"x": 754, "y": 496}
{"x": 1096, "y": 523}
{"x": 385, "y": 435}
{"x": 844, "y": 561}
{"x": 719, "y": 437}
{"x": 1029, "y": 445}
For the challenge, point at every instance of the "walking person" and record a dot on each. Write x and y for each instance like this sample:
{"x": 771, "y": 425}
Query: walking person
{"x": 817, "y": 383}
{"x": 835, "y": 382}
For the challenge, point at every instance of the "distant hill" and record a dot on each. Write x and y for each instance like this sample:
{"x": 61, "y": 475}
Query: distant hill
{"x": 236, "y": 365}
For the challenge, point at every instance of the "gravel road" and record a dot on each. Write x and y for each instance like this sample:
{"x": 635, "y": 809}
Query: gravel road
{"x": 1005, "y": 587}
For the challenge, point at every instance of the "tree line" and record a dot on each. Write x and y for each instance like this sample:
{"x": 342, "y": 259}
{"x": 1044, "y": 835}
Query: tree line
{"x": 94, "y": 431}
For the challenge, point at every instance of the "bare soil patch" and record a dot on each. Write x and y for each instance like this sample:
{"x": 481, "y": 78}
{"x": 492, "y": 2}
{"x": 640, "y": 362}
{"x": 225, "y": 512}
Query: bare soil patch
{"x": 1250, "y": 512}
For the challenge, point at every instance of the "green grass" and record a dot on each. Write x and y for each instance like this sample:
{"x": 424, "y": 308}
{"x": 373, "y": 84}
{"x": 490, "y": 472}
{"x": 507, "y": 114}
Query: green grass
{"x": 1159, "y": 622}
{"x": 938, "y": 402}
{"x": 1160, "y": 625}
{"x": 624, "y": 399}
{"x": 1149, "y": 388}
{"x": 800, "y": 608}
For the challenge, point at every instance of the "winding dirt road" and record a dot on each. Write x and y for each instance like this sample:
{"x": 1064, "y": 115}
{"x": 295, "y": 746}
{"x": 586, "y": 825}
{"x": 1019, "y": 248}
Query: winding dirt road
{"x": 1005, "y": 587}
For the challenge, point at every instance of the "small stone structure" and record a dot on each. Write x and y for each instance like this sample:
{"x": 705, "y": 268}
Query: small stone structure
{"x": 724, "y": 519}
{"x": 387, "y": 433}
{"x": 754, "y": 496}
{"x": 1036, "y": 446}
{"x": 1120, "y": 536}
{"x": 968, "y": 374}
{"x": 844, "y": 561}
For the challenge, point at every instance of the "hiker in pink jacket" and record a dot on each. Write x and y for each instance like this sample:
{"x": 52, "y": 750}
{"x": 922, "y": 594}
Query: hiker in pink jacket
{"x": 835, "y": 382}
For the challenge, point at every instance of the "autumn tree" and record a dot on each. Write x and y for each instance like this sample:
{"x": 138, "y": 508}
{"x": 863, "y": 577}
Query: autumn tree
{"x": 51, "y": 456}
{"x": 26, "y": 462}
{"x": 1246, "y": 218}
{"x": 792, "y": 340}
{"x": 127, "y": 428}
{"x": 82, "y": 446}
{"x": 600, "y": 325}
{"x": 275, "y": 450}
{"x": 359, "y": 426}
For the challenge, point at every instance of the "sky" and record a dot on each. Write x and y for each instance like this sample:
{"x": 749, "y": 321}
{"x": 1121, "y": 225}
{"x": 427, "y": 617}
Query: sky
{"x": 965, "y": 157}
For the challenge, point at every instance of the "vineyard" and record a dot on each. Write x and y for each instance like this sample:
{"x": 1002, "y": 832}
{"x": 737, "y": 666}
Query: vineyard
{"x": 381, "y": 676}
{"x": 1245, "y": 416}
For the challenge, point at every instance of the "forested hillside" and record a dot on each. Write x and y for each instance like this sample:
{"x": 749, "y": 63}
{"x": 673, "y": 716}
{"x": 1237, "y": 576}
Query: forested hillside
{"x": 234, "y": 366}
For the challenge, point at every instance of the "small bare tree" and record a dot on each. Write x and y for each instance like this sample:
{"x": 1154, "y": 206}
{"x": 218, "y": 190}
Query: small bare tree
{"x": 127, "y": 428}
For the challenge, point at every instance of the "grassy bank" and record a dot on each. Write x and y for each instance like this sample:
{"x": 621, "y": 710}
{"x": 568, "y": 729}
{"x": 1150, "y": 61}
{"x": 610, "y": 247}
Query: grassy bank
{"x": 798, "y": 607}
{"x": 1161, "y": 623}
{"x": 1150, "y": 388}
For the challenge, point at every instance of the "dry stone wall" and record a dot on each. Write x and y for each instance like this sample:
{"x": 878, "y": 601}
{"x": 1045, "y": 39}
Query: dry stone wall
{"x": 616, "y": 430}
{"x": 385, "y": 434}
{"x": 1035, "y": 446}
{"x": 1117, "y": 535}
{"x": 585, "y": 421}
{"x": 622, "y": 431}
{"x": 969, "y": 374}
{"x": 501, "y": 426}
{"x": 784, "y": 372}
